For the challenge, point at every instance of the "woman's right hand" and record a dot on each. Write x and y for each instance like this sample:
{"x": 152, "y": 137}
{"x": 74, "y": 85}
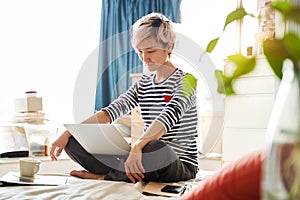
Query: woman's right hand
{"x": 59, "y": 145}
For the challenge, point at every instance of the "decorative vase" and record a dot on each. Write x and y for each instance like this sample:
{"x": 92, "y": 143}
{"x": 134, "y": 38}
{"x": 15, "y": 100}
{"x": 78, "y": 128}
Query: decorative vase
{"x": 281, "y": 173}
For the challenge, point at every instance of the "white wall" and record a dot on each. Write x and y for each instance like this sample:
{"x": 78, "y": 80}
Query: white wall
{"x": 43, "y": 45}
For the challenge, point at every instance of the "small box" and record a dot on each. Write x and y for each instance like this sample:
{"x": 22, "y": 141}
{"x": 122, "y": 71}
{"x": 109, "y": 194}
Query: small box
{"x": 29, "y": 104}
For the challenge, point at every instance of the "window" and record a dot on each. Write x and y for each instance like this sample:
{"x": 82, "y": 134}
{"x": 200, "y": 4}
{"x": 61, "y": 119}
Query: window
{"x": 44, "y": 45}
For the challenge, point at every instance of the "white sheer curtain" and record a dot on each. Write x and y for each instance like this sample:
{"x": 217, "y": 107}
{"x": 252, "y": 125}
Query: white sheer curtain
{"x": 43, "y": 46}
{"x": 204, "y": 21}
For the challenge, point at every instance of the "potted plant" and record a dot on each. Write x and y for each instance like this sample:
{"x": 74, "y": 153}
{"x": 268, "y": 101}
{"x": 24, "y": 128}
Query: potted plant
{"x": 281, "y": 178}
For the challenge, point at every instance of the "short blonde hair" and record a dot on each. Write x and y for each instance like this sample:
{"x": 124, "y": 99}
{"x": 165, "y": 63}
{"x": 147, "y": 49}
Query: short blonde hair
{"x": 153, "y": 25}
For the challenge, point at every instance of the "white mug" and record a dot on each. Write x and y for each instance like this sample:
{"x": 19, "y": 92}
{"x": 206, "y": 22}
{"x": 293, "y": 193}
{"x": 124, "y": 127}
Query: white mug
{"x": 29, "y": 167}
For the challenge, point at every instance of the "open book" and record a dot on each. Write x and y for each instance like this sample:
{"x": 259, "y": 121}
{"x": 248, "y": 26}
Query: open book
{"x": 13, "y": 179}
{"x": 173, "y": 189}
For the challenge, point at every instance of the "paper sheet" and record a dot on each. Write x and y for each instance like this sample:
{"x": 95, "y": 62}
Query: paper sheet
{"x": 13, "y": 179}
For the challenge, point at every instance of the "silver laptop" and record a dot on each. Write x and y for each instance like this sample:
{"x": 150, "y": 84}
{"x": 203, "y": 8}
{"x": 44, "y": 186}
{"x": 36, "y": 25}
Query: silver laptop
{"x": 106, "y": 139}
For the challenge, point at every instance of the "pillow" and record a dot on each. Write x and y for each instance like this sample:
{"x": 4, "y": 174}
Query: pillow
{"x": 239, "y": 180}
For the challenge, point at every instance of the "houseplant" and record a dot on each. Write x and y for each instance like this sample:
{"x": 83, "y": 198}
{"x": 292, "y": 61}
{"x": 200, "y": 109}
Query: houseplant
{"x": 281, "y": 178}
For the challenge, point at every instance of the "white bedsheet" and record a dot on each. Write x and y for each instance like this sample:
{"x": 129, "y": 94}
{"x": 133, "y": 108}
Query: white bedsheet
{"x": 79, "y": 189}
{"x": 86, "y": 189}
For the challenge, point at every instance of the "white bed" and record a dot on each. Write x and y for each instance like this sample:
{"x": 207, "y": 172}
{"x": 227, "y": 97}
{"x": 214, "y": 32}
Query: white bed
{"x": 87, "y": 189}
{"x": 78, "y": 189}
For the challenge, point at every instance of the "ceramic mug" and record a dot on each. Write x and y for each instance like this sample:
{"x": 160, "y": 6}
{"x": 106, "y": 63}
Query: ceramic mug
{"x": 29, "y": 167}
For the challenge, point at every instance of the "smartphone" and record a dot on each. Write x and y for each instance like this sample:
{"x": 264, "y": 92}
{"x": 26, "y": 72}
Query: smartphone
{"x": 172, "y": 189}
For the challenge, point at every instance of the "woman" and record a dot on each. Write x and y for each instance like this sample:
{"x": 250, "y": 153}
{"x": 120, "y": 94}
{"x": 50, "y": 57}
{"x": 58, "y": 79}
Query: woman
{"x": 167, "y": 149}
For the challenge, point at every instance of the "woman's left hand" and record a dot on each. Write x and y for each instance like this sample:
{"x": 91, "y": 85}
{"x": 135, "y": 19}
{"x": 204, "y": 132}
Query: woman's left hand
{"x": 133, "y": 165}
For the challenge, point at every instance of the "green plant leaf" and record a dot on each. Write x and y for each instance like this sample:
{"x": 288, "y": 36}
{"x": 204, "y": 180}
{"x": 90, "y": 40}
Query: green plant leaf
{"x": 292, "y": 45}
{"x": 243, "y": 64}
{"x": 277, "y": 50}
{"x": 224, "y": 83}
{"x": 211, "y": 45}
{"x": 289, "y": 11}
{"x": 237, "y": 14}
{"x": 189, "y": 84}
{"x": 275, "y": 53}
{"x": 282, "y": 7}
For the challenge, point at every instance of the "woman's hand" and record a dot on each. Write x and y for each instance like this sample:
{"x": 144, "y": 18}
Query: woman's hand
{"x": 133, "y": 165}
{"x": 59, "y": 145}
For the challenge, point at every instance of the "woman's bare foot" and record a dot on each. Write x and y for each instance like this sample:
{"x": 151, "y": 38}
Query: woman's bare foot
{"x": 86, "y": 175}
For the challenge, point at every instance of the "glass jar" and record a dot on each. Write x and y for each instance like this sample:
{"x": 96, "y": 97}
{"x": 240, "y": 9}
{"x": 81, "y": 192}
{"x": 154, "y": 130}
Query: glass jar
{"x": 281, "y": 173}
{"x": 39, "y": 138}
{"x": 266, "y": 20}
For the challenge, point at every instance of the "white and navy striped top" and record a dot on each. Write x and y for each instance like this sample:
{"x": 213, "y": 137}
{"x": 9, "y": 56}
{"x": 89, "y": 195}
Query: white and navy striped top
{"x": 171, "y": 102}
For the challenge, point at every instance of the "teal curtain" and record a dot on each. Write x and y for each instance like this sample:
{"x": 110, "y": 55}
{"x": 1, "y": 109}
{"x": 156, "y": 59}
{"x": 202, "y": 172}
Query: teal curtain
{"x": 117, "y": 59}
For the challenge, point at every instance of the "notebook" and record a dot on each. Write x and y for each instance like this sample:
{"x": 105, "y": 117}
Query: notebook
{"x": 105, "y": 139}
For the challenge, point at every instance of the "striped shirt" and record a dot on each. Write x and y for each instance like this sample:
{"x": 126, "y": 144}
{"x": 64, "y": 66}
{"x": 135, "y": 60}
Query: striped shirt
{"x": 171, "y": 102}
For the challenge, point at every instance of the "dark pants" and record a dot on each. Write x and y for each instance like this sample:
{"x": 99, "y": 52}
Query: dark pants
{"x": 159, "y": 160}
